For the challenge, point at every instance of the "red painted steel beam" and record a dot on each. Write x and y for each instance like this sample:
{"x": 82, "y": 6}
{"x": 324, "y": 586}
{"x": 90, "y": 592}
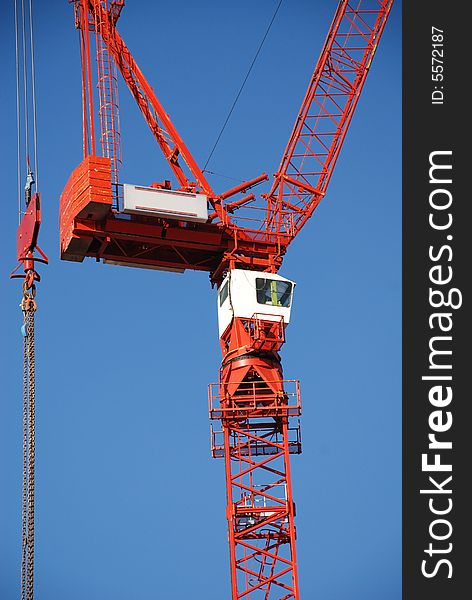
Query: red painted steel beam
{"x": 88, "y": 118}
{"x": 244, "y": 186}
{"x": 205, "y": 246}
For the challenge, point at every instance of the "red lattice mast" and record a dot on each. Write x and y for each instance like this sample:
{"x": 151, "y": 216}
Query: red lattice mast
{"x": 256, "y": 408}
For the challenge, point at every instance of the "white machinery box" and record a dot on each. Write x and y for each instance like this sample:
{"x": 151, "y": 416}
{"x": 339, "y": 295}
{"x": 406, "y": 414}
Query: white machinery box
{"x": 168, "y": 204}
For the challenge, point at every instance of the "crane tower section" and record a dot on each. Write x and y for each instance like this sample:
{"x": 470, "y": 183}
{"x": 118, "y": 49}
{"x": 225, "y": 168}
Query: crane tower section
{"x": 257, "y": 410}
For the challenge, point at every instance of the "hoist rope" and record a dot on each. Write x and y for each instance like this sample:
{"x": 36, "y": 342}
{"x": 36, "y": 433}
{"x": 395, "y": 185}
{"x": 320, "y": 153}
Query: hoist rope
{"x": 33, "y": 94}
{"x": 18, "y": 141}
{"x": 28, "y": 306}
{"x": 25, "y": 77}
{"x": 242, "y": 85}
{"x": 224, "y": 176}
{"x": 25, "y": 97}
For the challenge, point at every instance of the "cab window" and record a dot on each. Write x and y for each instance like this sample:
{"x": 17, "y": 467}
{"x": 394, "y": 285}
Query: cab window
{"x": 273, "y": 292}
{"x": 224, "y": 292}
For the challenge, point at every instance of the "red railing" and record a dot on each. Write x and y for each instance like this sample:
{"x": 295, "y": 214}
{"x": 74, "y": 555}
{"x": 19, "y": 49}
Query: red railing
{"x": 255, "y": 399}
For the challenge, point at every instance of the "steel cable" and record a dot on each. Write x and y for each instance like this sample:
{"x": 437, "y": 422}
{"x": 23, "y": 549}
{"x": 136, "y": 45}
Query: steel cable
{"x": 25, "y": 100}
{"x": 18, "y": 141}
{"x": 242, "y": 85}
{"x": 33, "y": 94}
{"x": 25, "y": 78}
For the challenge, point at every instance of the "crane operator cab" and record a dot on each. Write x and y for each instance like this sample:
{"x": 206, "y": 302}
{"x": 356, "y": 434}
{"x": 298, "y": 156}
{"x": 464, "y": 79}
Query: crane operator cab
{"x": 247, "y": 293}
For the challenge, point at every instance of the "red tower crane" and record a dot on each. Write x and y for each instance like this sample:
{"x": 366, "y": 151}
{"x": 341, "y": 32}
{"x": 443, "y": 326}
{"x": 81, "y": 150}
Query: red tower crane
{"x": 240, "y": 240}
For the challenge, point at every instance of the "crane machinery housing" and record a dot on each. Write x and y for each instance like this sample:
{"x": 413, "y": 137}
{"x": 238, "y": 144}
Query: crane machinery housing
{"x": 240, "y": 240}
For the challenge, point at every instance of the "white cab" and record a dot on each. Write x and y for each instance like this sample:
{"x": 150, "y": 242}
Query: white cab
{"x": 245, "y": 293}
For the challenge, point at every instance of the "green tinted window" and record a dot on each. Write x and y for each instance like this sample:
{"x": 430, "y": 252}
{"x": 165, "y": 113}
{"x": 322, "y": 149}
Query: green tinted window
{"x": 224, "y": 292}
{"x": 273, "y": 292}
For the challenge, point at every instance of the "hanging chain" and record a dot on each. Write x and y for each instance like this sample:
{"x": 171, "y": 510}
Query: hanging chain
{"x": 28, "y": 306}
{"x": 24, "y": 512}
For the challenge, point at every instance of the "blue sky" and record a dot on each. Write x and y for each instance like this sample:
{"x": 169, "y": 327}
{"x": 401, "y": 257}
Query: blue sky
{"x": 129, "y": 503}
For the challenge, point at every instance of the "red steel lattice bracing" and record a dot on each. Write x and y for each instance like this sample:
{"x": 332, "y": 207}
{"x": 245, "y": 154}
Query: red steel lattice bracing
{"x": 255, "y": 407}
{"x": 325, "y": 114}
